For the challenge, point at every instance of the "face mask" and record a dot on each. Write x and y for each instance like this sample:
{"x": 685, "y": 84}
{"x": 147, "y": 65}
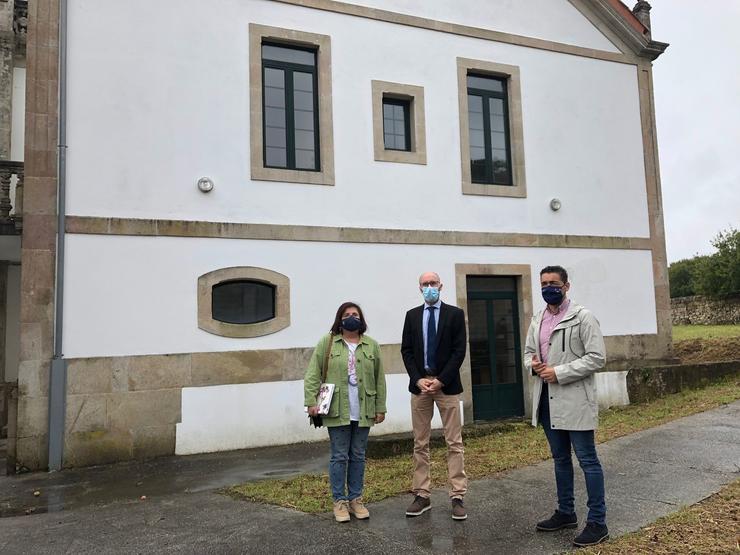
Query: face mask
{"x": 431, "y": 294}
{"x": 553, "y": 295}
{"x": 350, "y": 323}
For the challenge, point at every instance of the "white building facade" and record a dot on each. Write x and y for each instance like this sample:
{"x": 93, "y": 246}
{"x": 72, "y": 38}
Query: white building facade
{"x": 350, "y": 147}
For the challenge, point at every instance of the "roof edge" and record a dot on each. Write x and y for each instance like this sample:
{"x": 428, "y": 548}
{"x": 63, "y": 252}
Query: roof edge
{"x": 631, "y": 30}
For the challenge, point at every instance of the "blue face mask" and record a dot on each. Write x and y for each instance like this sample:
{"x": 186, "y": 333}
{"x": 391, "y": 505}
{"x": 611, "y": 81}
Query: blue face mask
{"x": 553, "y": 295}
{"x": 350, "y": 323}
{"x": 431, "y": 294}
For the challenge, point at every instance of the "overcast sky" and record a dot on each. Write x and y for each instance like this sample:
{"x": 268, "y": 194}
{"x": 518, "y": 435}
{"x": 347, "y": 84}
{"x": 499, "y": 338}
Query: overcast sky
{"x": 697, "y": 102}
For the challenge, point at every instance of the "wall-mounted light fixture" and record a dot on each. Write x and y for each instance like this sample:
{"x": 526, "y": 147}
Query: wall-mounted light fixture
{"x": 205, "y": 184}
{"x": 555, "y": 204}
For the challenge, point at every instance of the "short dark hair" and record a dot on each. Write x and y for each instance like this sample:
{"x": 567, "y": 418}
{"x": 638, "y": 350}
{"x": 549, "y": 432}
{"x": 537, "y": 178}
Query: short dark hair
{"x": 336, "y": 327}
{"x": 562, "y": 272}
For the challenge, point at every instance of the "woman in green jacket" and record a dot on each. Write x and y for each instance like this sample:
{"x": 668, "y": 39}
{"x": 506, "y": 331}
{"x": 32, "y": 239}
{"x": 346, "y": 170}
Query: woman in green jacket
{"x": 355, "y": 368}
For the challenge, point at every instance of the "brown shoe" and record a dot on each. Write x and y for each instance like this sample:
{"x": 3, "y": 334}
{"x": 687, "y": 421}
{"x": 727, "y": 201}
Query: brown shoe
{"x": 357, "y": 508}
{"x": 341, "y": 510}
{"x": 458, "y": 509}
{"x": 419, "y": 506}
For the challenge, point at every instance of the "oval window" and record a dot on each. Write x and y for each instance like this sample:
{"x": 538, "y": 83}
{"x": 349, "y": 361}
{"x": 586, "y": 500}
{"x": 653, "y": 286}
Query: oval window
{"x": 243, "y": 302}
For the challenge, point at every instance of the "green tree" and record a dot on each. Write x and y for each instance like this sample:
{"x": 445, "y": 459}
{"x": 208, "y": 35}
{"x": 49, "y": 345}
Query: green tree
{"x": 681, "y": 279}
{"x": 718, "y": 275}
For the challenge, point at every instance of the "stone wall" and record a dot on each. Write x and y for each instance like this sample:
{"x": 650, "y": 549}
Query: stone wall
{"x": 7, "y": 46}
{"x": 128, "y": 407}
{"x": 705, "y": 311}
{"x": 646, "y": 384}
{"x": 38, "y": 246}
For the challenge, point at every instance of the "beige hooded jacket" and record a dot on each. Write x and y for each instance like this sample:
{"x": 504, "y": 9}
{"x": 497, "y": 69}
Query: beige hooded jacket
{"x": 576, "y": 352}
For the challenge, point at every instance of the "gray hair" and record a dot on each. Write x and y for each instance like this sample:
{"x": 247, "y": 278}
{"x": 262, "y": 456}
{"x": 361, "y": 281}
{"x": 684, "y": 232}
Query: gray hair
{"x": 439, "y": 279}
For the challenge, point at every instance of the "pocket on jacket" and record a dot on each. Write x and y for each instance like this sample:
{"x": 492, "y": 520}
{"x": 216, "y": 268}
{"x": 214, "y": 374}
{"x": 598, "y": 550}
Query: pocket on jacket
{"x": 370, "y": 397}
{"x": 574, "y": 341}
{"x": 586, "y": 390}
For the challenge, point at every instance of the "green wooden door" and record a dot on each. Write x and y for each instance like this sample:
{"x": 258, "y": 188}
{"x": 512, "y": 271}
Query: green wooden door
{"x": 495, "y": 354}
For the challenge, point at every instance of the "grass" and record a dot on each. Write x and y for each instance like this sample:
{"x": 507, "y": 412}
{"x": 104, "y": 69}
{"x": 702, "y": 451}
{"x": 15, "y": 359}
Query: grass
{"x": 681, "y": 333}
{"x": 707, "y": 527}
{"x": 489, "y": 449}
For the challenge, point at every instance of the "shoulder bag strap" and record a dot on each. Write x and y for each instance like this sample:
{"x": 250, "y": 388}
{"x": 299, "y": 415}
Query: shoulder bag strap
{"x": 325, "y": 368}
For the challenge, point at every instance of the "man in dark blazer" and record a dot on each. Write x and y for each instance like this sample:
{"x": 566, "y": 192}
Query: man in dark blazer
{"x": 433, "y": 348}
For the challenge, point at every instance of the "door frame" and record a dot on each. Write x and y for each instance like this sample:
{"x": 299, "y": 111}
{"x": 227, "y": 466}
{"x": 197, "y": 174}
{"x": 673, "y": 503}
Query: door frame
{"x": 523, "y": 275}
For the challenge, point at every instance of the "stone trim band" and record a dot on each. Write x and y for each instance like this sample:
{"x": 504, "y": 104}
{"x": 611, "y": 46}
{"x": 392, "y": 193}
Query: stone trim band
{"x": 90, "y": 225}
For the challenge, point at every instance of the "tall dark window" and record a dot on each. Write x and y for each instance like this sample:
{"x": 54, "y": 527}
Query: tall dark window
{"x": 290, "y": 107}
{"x": 243, "y": 302}
{"x": 488, "y": 117}
{"x": 396, "y": 124}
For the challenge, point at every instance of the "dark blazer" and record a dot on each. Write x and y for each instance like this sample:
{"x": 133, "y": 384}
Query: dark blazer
{"x": 451, "y": 347}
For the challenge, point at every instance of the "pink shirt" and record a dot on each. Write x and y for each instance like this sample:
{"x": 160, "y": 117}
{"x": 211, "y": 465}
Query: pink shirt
{"x": 549, "y": 322}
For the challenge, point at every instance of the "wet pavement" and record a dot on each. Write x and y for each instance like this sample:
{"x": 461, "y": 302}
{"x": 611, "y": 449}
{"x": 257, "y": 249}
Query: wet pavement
{"x": 98, "y": 485}
{"x": 648, "y": 475}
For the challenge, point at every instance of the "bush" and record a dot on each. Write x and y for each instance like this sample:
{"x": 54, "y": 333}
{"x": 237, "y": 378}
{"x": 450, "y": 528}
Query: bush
{"x": 715, "y": 275}
{"x": 718, "y": 275}
{"x": 681, "y": 279}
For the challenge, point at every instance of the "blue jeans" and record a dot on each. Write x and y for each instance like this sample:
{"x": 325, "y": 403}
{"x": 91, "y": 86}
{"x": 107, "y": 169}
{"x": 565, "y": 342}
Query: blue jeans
{"x": 585, "y": 448}
{"x": 347, "y": 463}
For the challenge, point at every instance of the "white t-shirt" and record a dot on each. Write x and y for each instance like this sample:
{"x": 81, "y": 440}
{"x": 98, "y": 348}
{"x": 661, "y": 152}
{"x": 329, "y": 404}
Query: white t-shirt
{"x": 354, "y": 393}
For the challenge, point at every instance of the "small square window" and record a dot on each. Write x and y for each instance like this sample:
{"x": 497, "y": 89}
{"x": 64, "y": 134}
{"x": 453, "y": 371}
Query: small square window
{"x": 396, "y": 124}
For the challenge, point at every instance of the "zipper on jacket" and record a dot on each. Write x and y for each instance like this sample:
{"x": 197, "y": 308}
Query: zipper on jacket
{"x": 564, "y": 329}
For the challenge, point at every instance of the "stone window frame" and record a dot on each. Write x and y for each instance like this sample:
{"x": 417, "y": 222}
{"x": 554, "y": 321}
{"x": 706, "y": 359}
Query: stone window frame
{"x": 415, "y": 95}
{"x": 516, "y": 128}
{"x": 289, "y": 37}
{"x": 280, "y": 282}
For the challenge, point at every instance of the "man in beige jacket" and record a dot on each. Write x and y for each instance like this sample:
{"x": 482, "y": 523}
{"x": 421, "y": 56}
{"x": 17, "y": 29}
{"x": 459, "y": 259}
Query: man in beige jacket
{"x": 564, "y": 349}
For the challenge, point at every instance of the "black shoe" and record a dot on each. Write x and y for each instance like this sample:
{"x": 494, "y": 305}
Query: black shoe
{"x": 419, "y": 506}
{"x": 557, "y": 521}
{"x": 592, "y": 534}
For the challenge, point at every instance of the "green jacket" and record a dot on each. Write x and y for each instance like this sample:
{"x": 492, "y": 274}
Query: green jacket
{"x": 370, "y": 380}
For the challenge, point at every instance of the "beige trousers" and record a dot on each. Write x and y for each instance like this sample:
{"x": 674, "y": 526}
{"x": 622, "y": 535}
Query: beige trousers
{"x": 422, "y": 410}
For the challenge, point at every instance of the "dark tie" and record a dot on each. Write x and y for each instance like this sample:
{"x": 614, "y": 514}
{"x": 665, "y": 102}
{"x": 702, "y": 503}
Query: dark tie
{"x": 431, "y": 339}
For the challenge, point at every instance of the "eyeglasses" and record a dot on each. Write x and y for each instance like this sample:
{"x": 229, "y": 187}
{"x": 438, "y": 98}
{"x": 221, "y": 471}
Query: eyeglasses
{"x": 552, "y": 284}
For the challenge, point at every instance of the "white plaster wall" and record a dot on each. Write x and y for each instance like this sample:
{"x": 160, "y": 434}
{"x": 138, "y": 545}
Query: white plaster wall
{"x": 554, "y": 20}
{"x": 611, "y": 389}
{"x": 18, "y": 114}
{"x": 129, "y": 295}
{"x": 151, "y": 112}
{"x": 240, "y": 416}
{"x": 224, "y": 417}
{"x": 12, "y": 323}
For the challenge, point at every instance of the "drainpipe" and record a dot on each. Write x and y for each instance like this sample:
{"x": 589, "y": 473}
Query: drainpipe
{"x": 58, "y": 372}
